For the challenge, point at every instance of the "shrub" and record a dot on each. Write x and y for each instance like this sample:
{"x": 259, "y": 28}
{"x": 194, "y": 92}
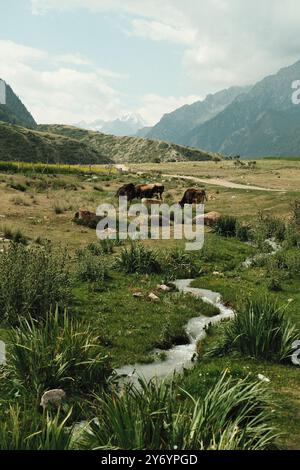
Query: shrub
{"x": 226, "y": 226}
{"x": 58, "y": 352}
{"x": 267, "y": 226}
{"x": 259, "y": 330}
{"x": 31, "y": 281}
{"x": 296, "y": 212}
{"x": 159, "y": 415}
{"x": 15, "y": 236}
{"x": 91, "y": 268}
{"x": 180, "y": 264}
{"x": 243, "y": 232}
{"x": 27, "y": 430}
{"x": 138, "y": 259}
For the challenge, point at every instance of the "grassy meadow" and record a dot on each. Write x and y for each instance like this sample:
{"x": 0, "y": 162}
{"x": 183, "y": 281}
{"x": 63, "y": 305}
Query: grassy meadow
{"x": 73, "y": 309}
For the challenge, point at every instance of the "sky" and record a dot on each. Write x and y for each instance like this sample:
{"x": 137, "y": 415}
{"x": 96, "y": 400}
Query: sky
{"x": 82, "y": 60}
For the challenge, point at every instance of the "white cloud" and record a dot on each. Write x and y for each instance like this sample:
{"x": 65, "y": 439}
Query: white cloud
{"x": 227, "y": 42}
{"x": 158, "y": 31}
{"x": 153, "y": 106}
{"x": 54, "y": 89}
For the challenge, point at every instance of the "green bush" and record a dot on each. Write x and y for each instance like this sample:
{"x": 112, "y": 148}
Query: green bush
{"x": 267, "y": 226}
{"x": 15, "y": 236}
{"x": 91, "y": 268}
{"x": 27, "y": 430}
{"x": 138, "y": 259}
{"x": 180, "y": 264}
{"x": 259, "y": 330}
{"x": 31, "y": 281}
{"x": 158, "y": 415}
{"x": 58, "y": 352}
{"x": 226, "y": 226}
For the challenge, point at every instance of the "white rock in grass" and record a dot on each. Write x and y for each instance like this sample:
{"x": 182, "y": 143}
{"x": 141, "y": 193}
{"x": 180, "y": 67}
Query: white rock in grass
{"x": 153, "y": 297}
{"x": 262, "y": 378}
{"x": 52, "y": 397}
{"x": 164, "y": 288}
{"x": 137, "y": 295}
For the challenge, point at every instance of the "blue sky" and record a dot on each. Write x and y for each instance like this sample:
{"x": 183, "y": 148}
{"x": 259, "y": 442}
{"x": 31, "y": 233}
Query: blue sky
{"x": 74, "y": 60}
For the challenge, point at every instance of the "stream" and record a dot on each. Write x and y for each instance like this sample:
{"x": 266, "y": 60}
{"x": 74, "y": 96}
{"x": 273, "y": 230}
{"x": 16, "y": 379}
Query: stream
{"x": 179, "y": 357}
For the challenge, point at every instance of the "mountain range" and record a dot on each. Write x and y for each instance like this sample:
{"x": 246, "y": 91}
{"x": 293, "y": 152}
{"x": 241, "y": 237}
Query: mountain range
{"x": 126, "y": 125}
{"x": 260, "y": 121}
{"x": 174, "y": 126}
{"x": 255, "y": 121}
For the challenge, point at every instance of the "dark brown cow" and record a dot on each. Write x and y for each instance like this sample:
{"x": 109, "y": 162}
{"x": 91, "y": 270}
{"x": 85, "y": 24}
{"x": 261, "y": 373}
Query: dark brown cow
{"x": 193, "y": 196}
{"x": 148, "y": 191}
{"x": 86, "y": 218}
{"x": 127, "y": 190}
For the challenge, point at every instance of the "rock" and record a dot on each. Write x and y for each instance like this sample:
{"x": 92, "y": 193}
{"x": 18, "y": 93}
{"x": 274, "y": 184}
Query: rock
{"x": 137, "y": 295}
{"x": 153, "y": 297}
{"x": 163, "y": 287}
{"x": 52, "y": 397}
{"x": 209, "y": 219}
{"x": 262, "y": 378}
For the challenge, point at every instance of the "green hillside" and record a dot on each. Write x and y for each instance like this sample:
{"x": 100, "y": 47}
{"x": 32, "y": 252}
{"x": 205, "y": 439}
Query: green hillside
{"x": 14, "y": 111}
{"x": 21, "y": 144}
{"x": 130, "y": 149}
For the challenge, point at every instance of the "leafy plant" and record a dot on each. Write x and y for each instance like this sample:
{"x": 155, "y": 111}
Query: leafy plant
{"x": 226, "y": 226}
{"x": 159, "y": 415}
{"x": 31, "y": 281}
{"x": 138, "y": 259}
{"x": 58, "y": 352}
{"x": 260, "y": 330}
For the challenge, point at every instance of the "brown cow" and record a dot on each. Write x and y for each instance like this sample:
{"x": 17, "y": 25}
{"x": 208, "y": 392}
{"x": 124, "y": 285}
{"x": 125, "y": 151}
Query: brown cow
{"x": 193, "y": 196}
{"x": 148, "y": 191}
{"x": 127, "y": 190}
{"x": 87, "y": 218}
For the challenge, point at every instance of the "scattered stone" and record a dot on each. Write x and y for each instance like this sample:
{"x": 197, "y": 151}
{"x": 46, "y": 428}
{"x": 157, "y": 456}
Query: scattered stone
{"x": 163, "y": 287}
{"x": 262, "y": 378}
{"x": 137, "y": 295}
{"x": 52, "y": 397}
{"x": 210, "y": 219}
{"x": 153, "y": 297}
{"x": 2, "y": 216}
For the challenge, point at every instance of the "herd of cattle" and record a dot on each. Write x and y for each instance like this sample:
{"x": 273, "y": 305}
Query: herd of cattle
{"x": 149, "y": 191}
{"x": 146, "y": 192}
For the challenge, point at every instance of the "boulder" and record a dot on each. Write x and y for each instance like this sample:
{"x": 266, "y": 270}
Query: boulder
{"x": 153, "y": 297}
{"x": 210, "y": 219}
{"x": 52, "y": 397}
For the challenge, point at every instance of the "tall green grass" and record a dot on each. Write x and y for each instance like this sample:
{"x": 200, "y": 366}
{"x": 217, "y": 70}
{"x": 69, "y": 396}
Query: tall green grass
{"x": 158, "y": 415}
{"x": 59, "y": 352}
{"x": 31, "y": 281}
{"x": 25, "y": 429}
{"x": 260, "y": 330}
{"x": 138, "y": 259}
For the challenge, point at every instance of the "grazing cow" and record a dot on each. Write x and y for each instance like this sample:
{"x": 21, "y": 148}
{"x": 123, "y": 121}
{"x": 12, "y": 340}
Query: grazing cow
{"x": 85, "y": 215}
{"x": 148, "y": 191}
{"x": 193, "y": 196}
{"x": 127, "y": 190}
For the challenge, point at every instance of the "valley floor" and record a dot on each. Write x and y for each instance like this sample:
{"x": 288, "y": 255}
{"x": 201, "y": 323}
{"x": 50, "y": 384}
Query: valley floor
{"x": 41, "y": 207}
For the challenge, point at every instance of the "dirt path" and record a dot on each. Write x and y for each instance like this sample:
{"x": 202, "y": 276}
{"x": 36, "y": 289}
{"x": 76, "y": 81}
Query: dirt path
{"x": 223, "y": 183}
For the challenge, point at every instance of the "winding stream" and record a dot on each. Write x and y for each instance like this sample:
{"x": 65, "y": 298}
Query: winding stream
{"x": 180, "y": 357}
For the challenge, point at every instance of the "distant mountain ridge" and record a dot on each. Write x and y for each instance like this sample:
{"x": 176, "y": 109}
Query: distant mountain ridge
{"x": 126, "y": 125}
{"x": 29, "y": 145}
{"x": 14, "y": 111}
{"x": 130, "y": 149}
{"x": 261, "y": 122}
{"x": 174, "y": 126}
